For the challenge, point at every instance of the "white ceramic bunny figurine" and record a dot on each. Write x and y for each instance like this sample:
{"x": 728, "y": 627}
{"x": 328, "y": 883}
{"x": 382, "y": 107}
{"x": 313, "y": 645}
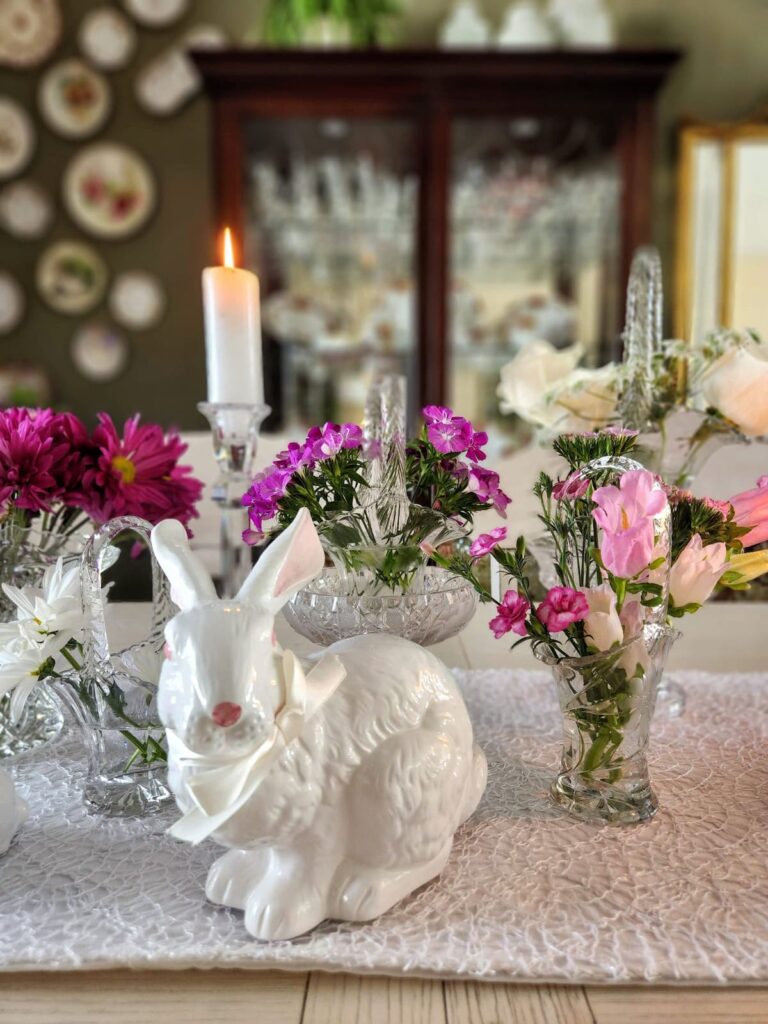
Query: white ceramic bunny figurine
{"x": 338, "y": 792}
{"x": 13, "y": 811}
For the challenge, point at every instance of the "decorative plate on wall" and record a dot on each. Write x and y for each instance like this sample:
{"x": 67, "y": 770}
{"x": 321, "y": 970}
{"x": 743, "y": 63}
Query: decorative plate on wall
{"x": 155, "y": 13}
{"x": 74, "y": 99}
{"x": 109, "y": 190}
{"x": 26, "y": 209}
{"x": 29, "y": 31}
{"x": 71, "y": 277}
{"x": 107, "y": 38}
{"x": 99, "y": 352}
{"x": 17, "y": 138}
{"x": 169, "y": 80}
{"x": 12, "y": 302}
{"x": 137, "y": 300}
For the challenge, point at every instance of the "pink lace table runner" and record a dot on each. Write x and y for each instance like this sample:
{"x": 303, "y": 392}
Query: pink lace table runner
{"x": 528, "y": 895}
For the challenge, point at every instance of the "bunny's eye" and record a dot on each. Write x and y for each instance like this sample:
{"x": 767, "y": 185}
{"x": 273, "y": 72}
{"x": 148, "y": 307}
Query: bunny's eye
{"x": 167, "y": 652}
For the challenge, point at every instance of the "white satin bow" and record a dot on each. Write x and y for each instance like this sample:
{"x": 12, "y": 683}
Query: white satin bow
{"x": 221, "y": 786}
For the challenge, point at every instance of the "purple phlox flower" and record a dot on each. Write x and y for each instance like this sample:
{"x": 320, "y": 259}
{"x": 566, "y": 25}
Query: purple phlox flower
{"x": 328, "y": 441}
{"x": 475, "y": 447}
{"x": 453, "y": 436}
{"x": 486, "y": 542}
{"x": 484, "y": 484}
{"x": 294, "y": 457}
{"x": 251, "y": 537}
{"x": 263, "y": 496}
{"x": 351, "y": 435}
{"x": 437, "y": 414}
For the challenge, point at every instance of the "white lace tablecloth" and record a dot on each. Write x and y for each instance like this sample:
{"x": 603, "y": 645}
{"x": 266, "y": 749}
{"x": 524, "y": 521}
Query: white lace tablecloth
{"x": 528, "y": 894}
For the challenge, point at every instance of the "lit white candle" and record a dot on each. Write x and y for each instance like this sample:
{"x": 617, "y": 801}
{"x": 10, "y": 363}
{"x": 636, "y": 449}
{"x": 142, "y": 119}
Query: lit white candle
{"x": 232, "y": 332}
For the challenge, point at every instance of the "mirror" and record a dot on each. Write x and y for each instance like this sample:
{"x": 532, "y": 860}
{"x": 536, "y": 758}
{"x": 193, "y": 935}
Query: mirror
{"x": 722, "y": 233}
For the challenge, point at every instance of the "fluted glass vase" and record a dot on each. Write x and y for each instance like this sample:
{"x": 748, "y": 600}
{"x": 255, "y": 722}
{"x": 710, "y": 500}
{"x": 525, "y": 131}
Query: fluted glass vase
{"x": 114, "y": 695}
{"x": 26, "y": 551}
{"x": 683, "y": 443}
{"x": 607, "y": 702}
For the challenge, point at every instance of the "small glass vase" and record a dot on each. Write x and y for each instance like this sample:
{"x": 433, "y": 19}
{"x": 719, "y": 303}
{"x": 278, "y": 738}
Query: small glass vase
{"x": 607, "y": 702}
{"x": 683, "y": 443}
{"x": 26, "y": 551}
{"x": 114, "y": 695}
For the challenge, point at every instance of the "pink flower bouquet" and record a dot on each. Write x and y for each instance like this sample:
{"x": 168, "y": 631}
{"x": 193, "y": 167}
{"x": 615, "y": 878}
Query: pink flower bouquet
{"x": 57, "y": 478}
{"x": 630, "y": 555}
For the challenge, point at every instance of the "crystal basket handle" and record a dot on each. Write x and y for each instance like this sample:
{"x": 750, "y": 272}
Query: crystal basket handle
{"x": 98, "y": 663}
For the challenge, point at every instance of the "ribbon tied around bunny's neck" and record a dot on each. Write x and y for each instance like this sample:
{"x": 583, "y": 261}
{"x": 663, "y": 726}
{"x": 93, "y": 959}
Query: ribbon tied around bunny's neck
{"x": 221, "y": 786}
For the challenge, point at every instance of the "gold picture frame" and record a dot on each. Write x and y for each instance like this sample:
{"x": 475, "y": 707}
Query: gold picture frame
{"x": 706, "y": 233}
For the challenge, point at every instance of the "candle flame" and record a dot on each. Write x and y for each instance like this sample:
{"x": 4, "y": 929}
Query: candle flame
{"x": 229, "y": 252}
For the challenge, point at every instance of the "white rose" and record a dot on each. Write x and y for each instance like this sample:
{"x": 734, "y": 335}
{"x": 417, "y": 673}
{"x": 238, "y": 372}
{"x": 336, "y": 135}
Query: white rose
{"x": 602, "y": 626}
{"x": 736, "y": 385}
{"x": 586, "y": 399}
{"x": 526, "y": 380}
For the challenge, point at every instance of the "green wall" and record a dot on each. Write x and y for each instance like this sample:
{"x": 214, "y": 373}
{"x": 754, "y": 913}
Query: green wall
{"x": 724, "y": 76}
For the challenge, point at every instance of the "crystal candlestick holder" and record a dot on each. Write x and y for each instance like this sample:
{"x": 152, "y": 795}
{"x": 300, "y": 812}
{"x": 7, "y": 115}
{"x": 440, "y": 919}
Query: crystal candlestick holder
{"x": 235, "y": 430}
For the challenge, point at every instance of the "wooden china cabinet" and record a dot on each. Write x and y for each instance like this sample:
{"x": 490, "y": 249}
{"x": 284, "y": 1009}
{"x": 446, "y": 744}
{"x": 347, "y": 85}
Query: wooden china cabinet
{"x": 431, "y": 210}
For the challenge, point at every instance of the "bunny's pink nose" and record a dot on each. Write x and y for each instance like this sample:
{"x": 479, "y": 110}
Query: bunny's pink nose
{"x": 226, "y": 713}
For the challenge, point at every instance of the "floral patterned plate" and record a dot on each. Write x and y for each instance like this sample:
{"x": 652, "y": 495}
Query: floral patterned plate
{"x": 29, "y": 31}
{"x": 74, "y": 100}
{"x": 71, "y": 277}
{"x": 109, "y": 190}
{"x": 17, "y": 138}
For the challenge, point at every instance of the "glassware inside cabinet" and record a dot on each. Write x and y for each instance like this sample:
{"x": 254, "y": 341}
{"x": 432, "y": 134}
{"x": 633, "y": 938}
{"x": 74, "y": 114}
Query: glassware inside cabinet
{"x": 330, "y": 229}
{"x": 535, "y": 233}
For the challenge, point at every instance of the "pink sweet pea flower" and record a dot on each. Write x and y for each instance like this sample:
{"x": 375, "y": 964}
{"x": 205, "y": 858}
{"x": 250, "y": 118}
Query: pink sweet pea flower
{"x": 626, "y": 514}
{"x": 638, "y": 498}
{"x": 696, "y": 571}
{"x": 751, "y": 508}
{"x": 630, "y": 552}
{"x": 573, "y": 487}
{"x": 486, "y": 542}
{"x": 511, "y": 615}
{"x": 561, "y": 608}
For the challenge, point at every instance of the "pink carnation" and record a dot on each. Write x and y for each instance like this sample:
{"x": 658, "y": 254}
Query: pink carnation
{"x": 561, "y": 608}
{"x": 573, "y": 487}
{"x": 511, "y": 615}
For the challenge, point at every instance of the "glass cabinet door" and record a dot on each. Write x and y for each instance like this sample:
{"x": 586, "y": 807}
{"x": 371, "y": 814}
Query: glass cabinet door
{"x": 330, "y": 227}
{"x": 535, "y": 232}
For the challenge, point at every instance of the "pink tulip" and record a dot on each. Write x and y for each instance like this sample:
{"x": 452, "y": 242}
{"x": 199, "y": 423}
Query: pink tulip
{"x": 751, "y": 508}
{"x": 696, "y": 571}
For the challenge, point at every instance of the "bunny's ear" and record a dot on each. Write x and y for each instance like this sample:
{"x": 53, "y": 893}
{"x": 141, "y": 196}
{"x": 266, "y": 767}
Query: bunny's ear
{"x": 287, "y": 565}
{"x": 190, "y": 583}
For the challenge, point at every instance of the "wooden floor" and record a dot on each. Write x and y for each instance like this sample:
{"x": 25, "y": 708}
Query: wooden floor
{"x": 241, "y": 997}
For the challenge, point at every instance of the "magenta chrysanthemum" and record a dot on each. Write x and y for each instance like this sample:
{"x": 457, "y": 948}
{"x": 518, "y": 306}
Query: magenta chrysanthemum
{"x": 139, "y": 474}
